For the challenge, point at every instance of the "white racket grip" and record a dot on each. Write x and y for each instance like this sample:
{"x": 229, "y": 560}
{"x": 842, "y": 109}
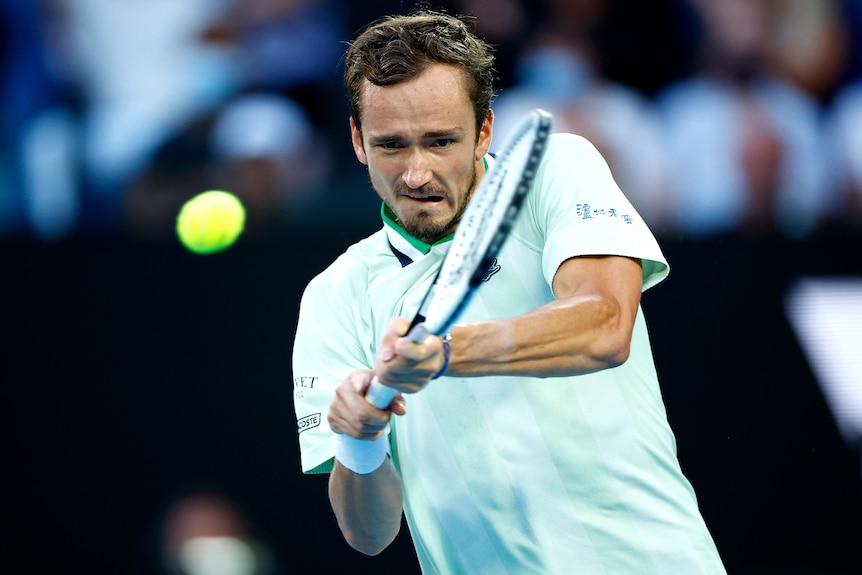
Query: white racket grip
{"x": 379, "y": 395}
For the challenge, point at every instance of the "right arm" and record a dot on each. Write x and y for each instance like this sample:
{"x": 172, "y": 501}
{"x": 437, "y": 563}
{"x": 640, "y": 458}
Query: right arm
{"x": 368, "y": 506}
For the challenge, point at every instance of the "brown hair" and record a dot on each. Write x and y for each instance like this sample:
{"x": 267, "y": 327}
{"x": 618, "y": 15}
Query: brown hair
{"x": 399, "y": 48}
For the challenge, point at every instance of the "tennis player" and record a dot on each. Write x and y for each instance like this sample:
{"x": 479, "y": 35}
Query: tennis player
{"x": 533, "y": 439}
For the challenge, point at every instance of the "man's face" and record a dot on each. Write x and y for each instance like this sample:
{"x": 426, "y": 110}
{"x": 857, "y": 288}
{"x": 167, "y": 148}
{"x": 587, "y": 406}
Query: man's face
{"x": 420, "y": 144}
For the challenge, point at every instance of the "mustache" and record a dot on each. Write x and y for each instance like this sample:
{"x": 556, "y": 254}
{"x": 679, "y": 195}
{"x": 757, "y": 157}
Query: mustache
{"x": 428, "y": 190}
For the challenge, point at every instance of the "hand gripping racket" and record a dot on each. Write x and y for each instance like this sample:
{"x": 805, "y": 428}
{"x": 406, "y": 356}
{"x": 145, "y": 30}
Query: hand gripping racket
{"x": 480, "y": 235}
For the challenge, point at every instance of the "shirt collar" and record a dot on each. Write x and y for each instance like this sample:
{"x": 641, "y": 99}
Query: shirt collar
{"x": 401, "y": 242}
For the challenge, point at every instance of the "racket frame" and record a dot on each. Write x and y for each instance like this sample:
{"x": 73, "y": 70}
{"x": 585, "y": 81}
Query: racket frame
{"x": 476, "y": 242}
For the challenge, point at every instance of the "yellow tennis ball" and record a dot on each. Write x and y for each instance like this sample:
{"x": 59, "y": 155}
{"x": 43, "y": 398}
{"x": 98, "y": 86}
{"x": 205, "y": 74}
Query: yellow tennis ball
{"x": 210, "y": 222}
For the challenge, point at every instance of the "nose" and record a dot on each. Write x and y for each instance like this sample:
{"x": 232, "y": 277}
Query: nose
{"x": 418, "y": 172}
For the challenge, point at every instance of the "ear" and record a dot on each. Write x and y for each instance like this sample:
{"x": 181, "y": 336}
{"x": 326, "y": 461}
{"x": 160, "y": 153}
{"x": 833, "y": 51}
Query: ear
{"x": 483, "y": 143}
{"x": 356, "y": 138}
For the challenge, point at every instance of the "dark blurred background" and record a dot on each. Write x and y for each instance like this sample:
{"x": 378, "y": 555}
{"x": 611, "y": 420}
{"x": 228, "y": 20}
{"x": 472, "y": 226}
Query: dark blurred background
{"x": 147, "y": 391}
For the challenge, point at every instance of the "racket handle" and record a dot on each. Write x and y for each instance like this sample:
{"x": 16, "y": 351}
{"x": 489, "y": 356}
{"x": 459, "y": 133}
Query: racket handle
{"x": 418, "y": 333}
{"x": 379, "y": 395}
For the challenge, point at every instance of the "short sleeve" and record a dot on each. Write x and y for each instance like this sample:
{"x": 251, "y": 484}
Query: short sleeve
{"x": 579, "y": 210}
{"x": 326, "y": 349}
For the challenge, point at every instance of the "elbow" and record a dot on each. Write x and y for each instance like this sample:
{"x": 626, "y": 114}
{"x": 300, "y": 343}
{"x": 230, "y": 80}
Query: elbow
{"x": 608, "y": 357}
{"x": 612, "y": 350}
{"x": 366, "y": 543}
{"x": 614, "y": 346}
{"x": 618, "y": 356}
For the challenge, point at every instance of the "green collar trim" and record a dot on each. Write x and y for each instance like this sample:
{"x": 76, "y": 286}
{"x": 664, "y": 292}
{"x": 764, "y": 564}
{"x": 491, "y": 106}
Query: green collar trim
{"x": 390, "y": 220}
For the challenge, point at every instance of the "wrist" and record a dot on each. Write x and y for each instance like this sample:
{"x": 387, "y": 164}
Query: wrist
{"x": 360, "y": 456}
{"x": 447, "y": 352}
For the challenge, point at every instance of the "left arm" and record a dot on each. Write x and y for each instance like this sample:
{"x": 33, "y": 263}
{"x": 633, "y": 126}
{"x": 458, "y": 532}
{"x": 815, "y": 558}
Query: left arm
{"x": 586, "y": 329}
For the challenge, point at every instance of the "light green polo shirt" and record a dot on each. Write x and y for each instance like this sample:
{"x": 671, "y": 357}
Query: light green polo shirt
{"x": 515, "y": 474}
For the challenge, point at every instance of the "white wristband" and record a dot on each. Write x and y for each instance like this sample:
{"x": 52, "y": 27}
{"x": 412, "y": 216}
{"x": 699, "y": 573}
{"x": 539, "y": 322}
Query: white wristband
{"x": 360, "y": 456}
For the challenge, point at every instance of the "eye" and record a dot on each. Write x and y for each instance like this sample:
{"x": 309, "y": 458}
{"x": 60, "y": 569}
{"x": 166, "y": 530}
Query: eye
{"x": 443, "y": 142}
{"x": 391, "y": 145}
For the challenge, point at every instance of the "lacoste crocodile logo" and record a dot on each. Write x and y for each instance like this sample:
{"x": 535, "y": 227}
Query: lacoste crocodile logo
{"x": 493, "y": 268}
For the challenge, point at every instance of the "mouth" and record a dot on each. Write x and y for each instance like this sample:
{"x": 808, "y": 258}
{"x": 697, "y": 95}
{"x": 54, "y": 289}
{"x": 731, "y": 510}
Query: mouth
{"x": 424, "y": 198}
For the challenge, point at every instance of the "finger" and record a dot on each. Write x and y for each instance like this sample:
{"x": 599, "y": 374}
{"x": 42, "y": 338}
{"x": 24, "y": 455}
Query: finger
{"x": 359, "y": 380}
{"x": 398, "y": 405}
{"x": 394, "y": 331}
{"x": 417, "y": 352}
{"x": 363, "y": 424}
{"x": 343, "y": 426}
{"x": 350, "y": 412}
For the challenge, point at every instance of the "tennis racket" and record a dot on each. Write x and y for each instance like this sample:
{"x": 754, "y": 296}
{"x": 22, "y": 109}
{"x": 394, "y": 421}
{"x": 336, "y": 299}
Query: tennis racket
{"x": 481, "y": 232}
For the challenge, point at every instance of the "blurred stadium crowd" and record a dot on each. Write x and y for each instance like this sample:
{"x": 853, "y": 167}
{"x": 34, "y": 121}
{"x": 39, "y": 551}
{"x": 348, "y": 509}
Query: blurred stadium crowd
{"x": 717, "y": 116}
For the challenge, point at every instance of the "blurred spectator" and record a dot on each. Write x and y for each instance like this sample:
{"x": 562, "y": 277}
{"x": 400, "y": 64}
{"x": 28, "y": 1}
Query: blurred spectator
{"x": 745, "y": 147}
{"x": 260, "y": 146}
{"x": 180, "y": 168}
{"x": 505, "y": 24}
{"x": 845, "y": 136}
{"x": 205, "y": 532}
{"x": 38, "y": 177}
{"x": 558, "y": 71}
{"x": 283, "y": 43}
{"x": 268, "y": 143}
{"x": 809, "y": 45}
{"x": 646, "y": 44}
{"x": 149, "y": 73}
{"x": 288, "y": 46}
{"x": 143, "y": 73}
{"x": 266, "y": 150}
{"x": 153, "y": 76}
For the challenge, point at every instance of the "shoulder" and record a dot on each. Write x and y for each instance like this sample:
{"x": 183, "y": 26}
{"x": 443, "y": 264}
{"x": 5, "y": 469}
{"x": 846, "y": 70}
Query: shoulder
{"x": 349, "y": 270}
{"x": 566, "y": 142}
{"x": 566, "y": 150}
{"x": 571, "y": 161}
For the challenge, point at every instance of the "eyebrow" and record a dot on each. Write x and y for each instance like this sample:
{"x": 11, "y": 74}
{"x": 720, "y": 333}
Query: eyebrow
{"x": 448, "y": 133}
{"x": 444, "y": 133}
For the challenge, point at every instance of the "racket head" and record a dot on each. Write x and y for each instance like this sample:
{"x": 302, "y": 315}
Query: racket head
{"x": 486, "y": 223}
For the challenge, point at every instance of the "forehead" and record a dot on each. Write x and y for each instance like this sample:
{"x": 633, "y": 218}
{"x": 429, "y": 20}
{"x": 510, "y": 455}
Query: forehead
{"x": 438, "y": 94}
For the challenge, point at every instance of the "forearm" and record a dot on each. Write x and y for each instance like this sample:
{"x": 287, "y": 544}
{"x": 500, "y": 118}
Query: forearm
{"x": 565, "y": 337}
{"x": 367, "y": 506}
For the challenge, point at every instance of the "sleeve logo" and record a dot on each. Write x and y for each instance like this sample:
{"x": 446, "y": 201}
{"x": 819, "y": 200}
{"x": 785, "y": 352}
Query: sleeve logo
{"x": 302, "y": 384}
{"x": 587, "y": 212}
{"x": 308, "y": 422}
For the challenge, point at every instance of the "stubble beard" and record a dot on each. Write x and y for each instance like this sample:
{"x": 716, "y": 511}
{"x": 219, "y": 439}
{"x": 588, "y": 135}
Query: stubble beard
{"x": 426, "y": 228}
